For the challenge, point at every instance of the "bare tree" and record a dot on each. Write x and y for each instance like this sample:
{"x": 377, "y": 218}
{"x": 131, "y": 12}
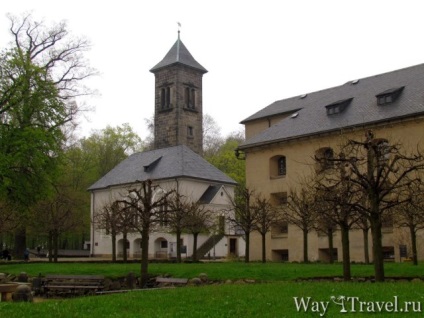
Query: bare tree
{"x": 267, "y": 215}
{"x": 198, "y": 221}
{"x": 411, "y": 215}
{"x": 300, "y": 211}
{"x": 147, "y": 201}
{"x": 56, "y": 216}
{"x": 107, "y": 219}
{"x": 244, "y": 217}
{"x": 364, "y": 225}
{"x": 380, "y": 171}
{"x": 178, "y": 211}
{"x": 337, "y": 196}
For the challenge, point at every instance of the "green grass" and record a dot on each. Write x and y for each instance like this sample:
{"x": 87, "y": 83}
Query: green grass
{"x": 215, "y": 271}
{"x": 272, "y": 298}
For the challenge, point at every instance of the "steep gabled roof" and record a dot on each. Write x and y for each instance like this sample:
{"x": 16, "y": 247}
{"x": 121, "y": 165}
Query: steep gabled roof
{"x": 312, "y": 117}
{"x": 162, "y": 164}
{"x": 178, "y": 54}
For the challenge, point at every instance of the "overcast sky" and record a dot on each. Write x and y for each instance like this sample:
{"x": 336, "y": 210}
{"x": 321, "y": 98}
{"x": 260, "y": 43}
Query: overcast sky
{"x": 256, "y": 52}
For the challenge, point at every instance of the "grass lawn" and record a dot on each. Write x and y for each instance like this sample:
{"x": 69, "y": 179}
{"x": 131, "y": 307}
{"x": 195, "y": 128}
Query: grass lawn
{"x": 274, "y": 297}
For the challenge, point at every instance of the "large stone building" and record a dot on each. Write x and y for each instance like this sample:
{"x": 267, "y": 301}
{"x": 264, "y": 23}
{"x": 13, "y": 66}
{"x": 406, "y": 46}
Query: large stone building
{"x": 174, "y": 164}
{"x": 283, "y": 139}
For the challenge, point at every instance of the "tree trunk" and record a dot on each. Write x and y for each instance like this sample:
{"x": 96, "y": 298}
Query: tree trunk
{"x": 263, "y": 247}
{"x": 330, "y": 245}
{"x": 247, "y": 255}
{"x": 346, "y": 253}
{"x": 20, "y": 242}
{"x": 55, "y": 245}
{"x": 178, "y": 233}
{"x": 305, "y": 246}
{"x": 377, "y": 249}
{"x": 50, "y": 246}
{"x": 144, "y": 257}
{"x": 414, "y": 245}
{"x": 194, "y": 256}
{"x": 124, "y": 249}
{"x": 366, "y": 244}
{"x": 113, "y": 235}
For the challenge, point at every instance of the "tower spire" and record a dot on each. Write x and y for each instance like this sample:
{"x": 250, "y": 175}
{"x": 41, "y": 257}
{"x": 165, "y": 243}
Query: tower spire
{"x": 179, "y": 28}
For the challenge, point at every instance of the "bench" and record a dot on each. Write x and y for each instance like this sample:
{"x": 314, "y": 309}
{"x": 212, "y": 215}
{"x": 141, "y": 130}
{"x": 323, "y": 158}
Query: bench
{"x": 169, "y": 281}
{"x": 72, "y": 284}
{"x": 6, "y": 290}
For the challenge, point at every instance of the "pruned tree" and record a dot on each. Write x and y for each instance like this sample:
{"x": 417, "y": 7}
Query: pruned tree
{"x": 178, "y": 211}
{"x": 300, "y": 212}
{"x": 147, "y": 200}
{"x": 410, "y": 215}
{"x": 108, "y": 219}
{"x": 198, "y": 221}
{"x": 267, "y": 215}
{"x": 381, "y": 172}
{"x": 243, "y": 216}
{"x": 336, "y": 199}
{"x": 365, "y": 227}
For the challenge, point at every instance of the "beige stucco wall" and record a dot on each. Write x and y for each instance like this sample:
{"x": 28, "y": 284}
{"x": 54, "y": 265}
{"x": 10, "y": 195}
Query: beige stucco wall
{"x": 254, "y": 127}
{"x": 300, "y": 163}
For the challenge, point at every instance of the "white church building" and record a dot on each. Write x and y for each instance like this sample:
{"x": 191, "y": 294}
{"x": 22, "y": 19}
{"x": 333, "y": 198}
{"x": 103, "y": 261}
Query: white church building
{"x": 175, "y": 160}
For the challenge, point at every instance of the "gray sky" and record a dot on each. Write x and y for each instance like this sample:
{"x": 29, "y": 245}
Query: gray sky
{"x": 256, "y": 52}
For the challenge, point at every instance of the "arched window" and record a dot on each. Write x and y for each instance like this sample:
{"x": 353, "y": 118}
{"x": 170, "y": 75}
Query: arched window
{"x": 277, "y": 166}
{"x": 324, "y": 158}
{"x": 282, "y": 166}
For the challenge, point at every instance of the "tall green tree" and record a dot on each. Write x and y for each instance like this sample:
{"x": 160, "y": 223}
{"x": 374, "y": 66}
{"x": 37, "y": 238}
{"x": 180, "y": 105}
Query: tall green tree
{"x": 40, "y": 77}
{"x": 109, "y": 146}
{"x": 223, "y": 158}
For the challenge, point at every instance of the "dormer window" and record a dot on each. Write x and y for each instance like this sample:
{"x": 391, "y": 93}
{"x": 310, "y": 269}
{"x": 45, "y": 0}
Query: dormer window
{"x": 389, "y": 96}
{"x": 338, "y": 107}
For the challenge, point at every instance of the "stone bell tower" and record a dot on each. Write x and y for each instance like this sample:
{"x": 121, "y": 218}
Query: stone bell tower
{"x": 178, "y": 99}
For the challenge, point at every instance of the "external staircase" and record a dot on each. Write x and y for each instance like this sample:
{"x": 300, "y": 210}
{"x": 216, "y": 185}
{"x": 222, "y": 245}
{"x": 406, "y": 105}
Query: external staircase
{"x": 208, "y": 245}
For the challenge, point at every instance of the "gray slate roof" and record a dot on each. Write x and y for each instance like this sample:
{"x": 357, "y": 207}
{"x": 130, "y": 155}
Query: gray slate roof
{"x": 160, "y": 164}
{"x": 178, "y": 54}
{"x": 210, "y": 193}
{"x": 312, "y": 117}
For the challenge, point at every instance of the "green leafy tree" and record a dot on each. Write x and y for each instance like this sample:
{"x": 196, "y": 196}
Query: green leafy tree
{"x": 40, "y": 77}
{"x": 224, "y": 159}
{"x": 108, "y": 147}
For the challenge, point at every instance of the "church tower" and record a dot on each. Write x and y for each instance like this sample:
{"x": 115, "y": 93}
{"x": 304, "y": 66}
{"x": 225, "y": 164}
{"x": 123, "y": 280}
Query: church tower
{"x": 178, "y": 99}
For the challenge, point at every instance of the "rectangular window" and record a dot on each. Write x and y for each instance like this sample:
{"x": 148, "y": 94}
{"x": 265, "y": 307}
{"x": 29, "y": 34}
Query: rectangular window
{"x": 190, "y": 131}
{"x": 282, "y": 166}
{"x": 163, "y": 244}
{"x": 280, "y": 229}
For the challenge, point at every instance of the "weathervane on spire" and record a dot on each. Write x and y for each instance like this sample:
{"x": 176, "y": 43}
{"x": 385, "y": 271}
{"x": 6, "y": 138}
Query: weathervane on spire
{"x": 179, "y": 27}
